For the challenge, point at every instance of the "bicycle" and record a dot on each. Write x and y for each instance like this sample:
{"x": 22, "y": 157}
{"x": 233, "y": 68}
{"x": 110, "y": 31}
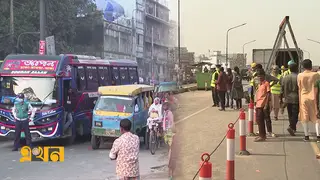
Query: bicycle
{"x": 154, "y": 136}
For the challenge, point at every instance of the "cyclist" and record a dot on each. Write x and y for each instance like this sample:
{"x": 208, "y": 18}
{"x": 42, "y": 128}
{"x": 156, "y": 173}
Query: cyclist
{"x": 155, "y": 112}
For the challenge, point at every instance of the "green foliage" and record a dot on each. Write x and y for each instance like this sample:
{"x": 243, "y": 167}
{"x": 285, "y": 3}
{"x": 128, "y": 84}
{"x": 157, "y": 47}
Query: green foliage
{"x": 67, "y": 20}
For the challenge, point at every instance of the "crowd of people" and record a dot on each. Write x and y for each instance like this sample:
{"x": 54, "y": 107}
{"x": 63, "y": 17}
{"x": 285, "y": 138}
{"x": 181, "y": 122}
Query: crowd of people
{"x": 275, "y": 91}
{"x": 226, "y": 88}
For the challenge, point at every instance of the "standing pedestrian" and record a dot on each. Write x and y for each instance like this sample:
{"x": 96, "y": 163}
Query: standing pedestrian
{"x": 308, "y": 92}
{"x": 229, "y": 99}
{"x": 290, "y": 93}
{"x": 275, "y": 92}
{"x": 262, "y": 97}
{"x": 214, "y": 78}
{"x": 20, "y": 113}
{"x": 237, "y": 88}
{"x": 169, "y": 132}
{"x": 252, "y": 77}
{"x": 222, "y": 88}
{"x": 125, "y": 150}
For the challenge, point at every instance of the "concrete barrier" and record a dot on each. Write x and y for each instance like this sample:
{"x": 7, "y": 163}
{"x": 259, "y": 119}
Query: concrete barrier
{"x": 187, "y": 88}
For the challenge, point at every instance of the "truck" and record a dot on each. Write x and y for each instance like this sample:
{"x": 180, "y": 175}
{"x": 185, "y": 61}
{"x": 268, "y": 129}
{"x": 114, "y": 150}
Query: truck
{"x": 262, "y": 56}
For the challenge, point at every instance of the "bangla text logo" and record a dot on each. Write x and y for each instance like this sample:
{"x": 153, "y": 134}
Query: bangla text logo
{"x": 45, "y": 154}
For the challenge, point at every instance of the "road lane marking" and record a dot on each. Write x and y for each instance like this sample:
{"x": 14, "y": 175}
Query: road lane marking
{"x": 315, "y": 149}
{"x": 193, "y": 114}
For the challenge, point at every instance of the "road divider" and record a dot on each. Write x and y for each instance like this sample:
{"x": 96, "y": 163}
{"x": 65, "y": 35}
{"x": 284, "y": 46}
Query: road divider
{"x": 230, "y": 169}
{"x": 243, "y": 134}
{"x": 187, "y": 88}
{"x": 251, "y": 118}
{"x": 205, "y": 172}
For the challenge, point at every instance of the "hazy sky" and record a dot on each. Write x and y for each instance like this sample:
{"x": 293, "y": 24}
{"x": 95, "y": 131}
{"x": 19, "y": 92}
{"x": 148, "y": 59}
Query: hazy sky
{"x": 204, "y": 24}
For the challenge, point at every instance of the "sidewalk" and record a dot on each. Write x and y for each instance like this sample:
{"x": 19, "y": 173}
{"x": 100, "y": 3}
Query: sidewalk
{"x": 201, "y": 132}
{"x": 283, "y": 157}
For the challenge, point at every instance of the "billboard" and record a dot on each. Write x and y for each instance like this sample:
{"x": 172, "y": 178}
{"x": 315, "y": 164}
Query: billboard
{"x": 117, "y": 11}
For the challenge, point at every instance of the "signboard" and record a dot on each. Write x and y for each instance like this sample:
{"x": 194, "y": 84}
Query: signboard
{"x": 42, "y": 154}
{"x": 42, "y": 47}
{"x": 25, "y": 65}
{"x": 50, "y": 45}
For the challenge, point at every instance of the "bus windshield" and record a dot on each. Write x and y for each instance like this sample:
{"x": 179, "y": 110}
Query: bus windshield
{"x": 115, "y": 104}
{"x": 37, "y": 90}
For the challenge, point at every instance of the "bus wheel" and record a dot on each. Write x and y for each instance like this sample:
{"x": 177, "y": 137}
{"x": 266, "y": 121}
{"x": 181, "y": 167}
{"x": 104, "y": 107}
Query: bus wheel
{"x": 95, "y": 142}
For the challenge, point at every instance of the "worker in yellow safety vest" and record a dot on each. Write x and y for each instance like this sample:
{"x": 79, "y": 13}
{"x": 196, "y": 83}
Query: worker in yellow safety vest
{"x": 283, "y": 69}
{"x": 252, "y": 76}
{"x": 287, "y": 72}
{"x": 214, "y": 78}
{"x": 275, "y": 91}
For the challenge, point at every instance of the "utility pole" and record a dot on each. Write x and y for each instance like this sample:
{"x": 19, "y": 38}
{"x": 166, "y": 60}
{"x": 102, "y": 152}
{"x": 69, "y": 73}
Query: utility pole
{"x": 179, "y": 48}
{"x": 11, "y": 22}
{"x": 42, "y": 20}
{"x": 152, "y": 63}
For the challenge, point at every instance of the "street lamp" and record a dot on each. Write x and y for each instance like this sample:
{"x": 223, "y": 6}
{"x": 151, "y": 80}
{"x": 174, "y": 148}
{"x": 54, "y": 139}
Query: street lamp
{"x": 228, "y": 39}
{"x": 245, "y": 45}
{"x": 18, "y": 40}
{"x": 133, "y": 34}
{"x": 313, "y": 41}
{"x": 307, "y": 52}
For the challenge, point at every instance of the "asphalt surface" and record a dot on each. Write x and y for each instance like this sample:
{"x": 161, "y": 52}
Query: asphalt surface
{"x": 202, "y": 127}
{"x": 81, "y": 163}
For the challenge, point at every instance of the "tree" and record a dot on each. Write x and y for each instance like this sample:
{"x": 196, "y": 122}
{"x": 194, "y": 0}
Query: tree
{"x": 63, "y": 18}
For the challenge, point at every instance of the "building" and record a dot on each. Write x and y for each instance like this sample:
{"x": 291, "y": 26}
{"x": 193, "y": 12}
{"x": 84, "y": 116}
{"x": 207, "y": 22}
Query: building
{"x": 139, "y": 30}
{"x": 121, "y": 27}
{"x": 156, "y": 46}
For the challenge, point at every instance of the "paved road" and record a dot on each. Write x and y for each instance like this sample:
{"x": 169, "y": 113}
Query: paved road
{"x": 202, "y": 127}
{"x": 81, "y": 163}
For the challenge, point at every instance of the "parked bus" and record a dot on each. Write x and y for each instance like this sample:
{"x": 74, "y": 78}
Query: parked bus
{"x": 63, "y": 88}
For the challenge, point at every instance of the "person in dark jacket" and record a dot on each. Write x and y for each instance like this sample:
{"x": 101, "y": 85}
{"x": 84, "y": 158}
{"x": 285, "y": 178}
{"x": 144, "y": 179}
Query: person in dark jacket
{"x": 229, "y": 98}
{"x": 222, "y": 88}
{"x": 237, "y": 88}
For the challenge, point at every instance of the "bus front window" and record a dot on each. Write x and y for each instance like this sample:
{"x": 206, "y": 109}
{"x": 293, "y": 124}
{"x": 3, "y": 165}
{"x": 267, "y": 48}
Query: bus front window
{"x": 38, "y": 91}
{"x": 115, "y": 104}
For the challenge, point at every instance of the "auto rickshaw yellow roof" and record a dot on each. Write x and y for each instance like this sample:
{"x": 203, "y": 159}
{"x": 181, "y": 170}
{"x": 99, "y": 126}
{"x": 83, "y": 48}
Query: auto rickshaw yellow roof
{"x": 125, "y": 90}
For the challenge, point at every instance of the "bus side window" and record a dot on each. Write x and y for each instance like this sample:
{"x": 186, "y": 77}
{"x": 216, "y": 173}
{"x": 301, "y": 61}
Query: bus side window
{"x": 81, "y": 79}
{"x": 124, "y": 75}
{"x": 116, "y": 76}
{"x": 133, "y": 75}
{"x": 92, "y": 78}
{"x": 103, "y": 76}
{"x": 143, "y": 96}
{"x": 147, "y": 100}
{"x": 150, "y": 98}
{"x": 136, "y": 105}
{"x": 141, "y": 101}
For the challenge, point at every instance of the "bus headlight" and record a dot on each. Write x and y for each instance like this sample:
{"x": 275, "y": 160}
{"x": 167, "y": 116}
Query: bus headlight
{"x": 4, "y": 119}
{"x": 48, "y": 120}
